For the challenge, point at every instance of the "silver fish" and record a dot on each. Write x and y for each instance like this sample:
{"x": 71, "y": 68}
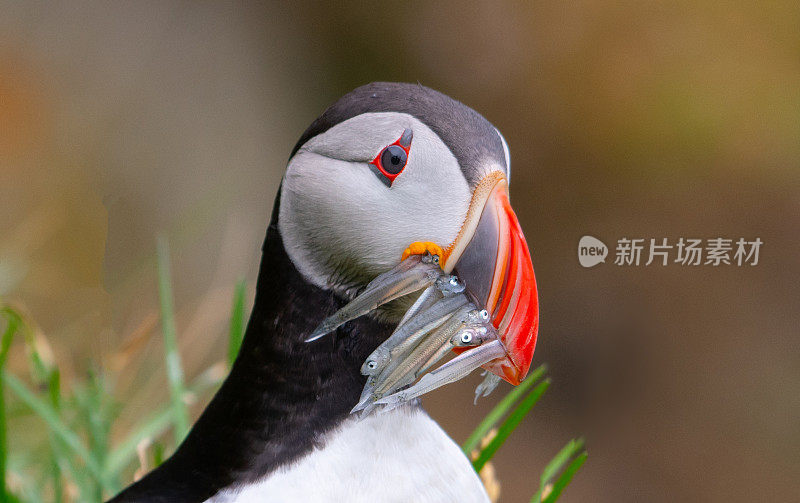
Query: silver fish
{"x": 408, "y": 334}
{"x": 470, "y": 334}
{"x": 444, "y": 286}
{"x": 404, "y": 279}
{"x": 404, "y": 369}
{"x": 451, "y": 371}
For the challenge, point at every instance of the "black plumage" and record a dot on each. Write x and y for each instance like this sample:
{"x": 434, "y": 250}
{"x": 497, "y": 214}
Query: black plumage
{"x": 281, "y": 395}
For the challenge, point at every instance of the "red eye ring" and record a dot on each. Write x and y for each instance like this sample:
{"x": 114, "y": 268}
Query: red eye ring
{"x": 392, "y": 159}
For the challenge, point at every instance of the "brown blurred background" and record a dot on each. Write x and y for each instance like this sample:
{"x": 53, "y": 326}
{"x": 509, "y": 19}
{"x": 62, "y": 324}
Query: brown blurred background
{"x": 122, "y": 120}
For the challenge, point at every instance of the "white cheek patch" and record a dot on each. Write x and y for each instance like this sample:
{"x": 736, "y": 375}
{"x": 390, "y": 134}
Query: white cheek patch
{"x": 360, "y": 138}
{"x": 338, "y": 218}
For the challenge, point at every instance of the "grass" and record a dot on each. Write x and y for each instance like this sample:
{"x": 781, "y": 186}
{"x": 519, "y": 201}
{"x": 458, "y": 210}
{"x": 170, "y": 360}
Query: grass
{"x": 484, "y": 442}
{"x": 79, "y": 461}
{"x": 180, "y": 413}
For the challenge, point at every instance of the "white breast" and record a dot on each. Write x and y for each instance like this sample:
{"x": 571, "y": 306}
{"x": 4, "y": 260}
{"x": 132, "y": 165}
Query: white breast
{"x": 397, "y": 456}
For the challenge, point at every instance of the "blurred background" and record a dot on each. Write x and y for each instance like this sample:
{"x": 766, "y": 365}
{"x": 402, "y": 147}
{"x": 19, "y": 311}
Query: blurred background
{"x": 120, "y": 121}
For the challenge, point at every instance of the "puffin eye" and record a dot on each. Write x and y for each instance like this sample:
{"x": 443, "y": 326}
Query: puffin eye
{"x": 391, "y": 161}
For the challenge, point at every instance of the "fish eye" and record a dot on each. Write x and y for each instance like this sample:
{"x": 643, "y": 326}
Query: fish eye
{"x": 484, "y": 314}
{"x": 372, "y": 364}
{"x": 466, "y": 338}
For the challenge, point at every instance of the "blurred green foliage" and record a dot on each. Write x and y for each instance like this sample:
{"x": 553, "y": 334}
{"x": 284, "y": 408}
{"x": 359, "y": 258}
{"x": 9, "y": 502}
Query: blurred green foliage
{"x": 77, "y": 461}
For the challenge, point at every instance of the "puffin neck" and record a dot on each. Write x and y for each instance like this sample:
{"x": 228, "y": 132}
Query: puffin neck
{"x": 282, "y": 395}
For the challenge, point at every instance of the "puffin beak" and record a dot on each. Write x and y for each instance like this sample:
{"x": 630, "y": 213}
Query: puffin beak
{"x": 491, "y": 257}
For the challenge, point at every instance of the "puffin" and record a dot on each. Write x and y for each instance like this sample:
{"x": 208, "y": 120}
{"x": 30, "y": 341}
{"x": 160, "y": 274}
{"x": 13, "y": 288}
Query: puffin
{"x": 388, "y": 171}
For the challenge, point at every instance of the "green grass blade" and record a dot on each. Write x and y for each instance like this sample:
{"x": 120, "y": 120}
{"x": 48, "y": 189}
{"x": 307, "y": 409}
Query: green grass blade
{"x": 180, "y": 413}
{"x": 557, "y": 463}
{"x": 77, "y": 475}
{"x": 236, "y": 333}
{"x": 152, "y": 428}
{"x": 510, "y": 424}
{"x": 565, "y": 478}
{"x": 3, "y": 446}
{"x": 50, "y": 417}
{"x": 501, "y": 409}
{"x": 13, "y": 321}
{"x": 5, "y": 345}
{"x": 158, "y": 454}
{"x": 96, "y": 412}
{"x": 54, "y": 393}
{"x": 40, "y": 370}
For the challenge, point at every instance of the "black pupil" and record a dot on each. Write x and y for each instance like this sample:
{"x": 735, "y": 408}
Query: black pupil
{"x": 393, "y": 159}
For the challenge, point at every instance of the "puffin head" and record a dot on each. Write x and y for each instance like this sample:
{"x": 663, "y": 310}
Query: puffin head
{"x": 395, "y": 169}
